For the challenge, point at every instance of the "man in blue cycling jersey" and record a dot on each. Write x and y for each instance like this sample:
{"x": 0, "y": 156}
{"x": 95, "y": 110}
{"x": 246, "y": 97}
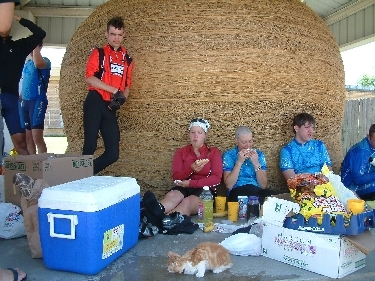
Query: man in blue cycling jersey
{"x": 358, "y": 168}
{"x": 303, "y": 154}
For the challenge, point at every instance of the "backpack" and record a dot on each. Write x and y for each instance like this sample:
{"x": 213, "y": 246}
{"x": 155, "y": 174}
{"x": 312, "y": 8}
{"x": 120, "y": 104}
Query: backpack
{"x": 99, "y": 73}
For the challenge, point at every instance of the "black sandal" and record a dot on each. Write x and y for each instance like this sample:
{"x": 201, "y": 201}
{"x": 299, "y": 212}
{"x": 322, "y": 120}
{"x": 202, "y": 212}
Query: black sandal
{"x": 15, "y": 274}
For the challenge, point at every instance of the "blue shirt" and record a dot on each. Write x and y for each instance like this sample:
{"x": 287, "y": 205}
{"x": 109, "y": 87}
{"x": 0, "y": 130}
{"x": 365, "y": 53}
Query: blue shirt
{"x": 247, "y": 174}
{"x": 356, "y": 172}
{"x": 34, "y": 81}
{"x": 307, "y": 158}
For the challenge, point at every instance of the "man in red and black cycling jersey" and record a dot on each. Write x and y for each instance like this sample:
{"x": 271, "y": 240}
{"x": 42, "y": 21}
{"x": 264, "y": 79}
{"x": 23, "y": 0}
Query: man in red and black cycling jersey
{"x": 106, "y": 79}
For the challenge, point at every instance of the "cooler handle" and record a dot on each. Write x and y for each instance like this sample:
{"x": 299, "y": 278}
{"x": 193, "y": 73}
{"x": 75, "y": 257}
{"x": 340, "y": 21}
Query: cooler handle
{"x": 73, "y": 222}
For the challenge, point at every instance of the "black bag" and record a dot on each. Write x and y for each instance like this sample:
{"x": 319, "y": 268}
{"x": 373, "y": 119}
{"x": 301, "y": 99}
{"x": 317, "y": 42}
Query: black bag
{"x": 147, "y": 225}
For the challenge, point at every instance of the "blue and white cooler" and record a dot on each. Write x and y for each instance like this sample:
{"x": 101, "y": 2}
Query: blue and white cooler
{"x": 86, "y": 224}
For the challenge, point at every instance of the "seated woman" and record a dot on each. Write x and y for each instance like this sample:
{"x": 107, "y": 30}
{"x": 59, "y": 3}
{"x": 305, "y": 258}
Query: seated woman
{"x": 190, "y": 174}
{"x": 6, "y": 16}
{"x": 245, "y": 168}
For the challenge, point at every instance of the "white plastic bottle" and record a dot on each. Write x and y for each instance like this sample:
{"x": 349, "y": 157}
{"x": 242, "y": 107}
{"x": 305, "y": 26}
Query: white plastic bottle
{"x": 205, "y": 206}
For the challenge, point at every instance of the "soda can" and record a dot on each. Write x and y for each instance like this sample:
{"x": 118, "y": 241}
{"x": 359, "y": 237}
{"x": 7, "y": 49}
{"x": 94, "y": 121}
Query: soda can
{"x": 242, "y": 207}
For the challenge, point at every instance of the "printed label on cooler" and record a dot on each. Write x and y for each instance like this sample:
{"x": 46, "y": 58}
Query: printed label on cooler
{"x": 113, "y": 241}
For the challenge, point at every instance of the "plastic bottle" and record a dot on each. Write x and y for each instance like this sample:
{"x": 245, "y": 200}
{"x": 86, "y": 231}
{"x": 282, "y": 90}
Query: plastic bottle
{"x": 252, "y": 207}
{"x": 205, "y": 206}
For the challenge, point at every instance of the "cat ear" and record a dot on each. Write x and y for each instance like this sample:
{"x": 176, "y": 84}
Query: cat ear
{"x": 171, "y": 254}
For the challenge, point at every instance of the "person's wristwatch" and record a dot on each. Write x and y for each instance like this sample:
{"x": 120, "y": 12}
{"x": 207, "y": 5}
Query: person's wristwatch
{"x": 258, "y": 168}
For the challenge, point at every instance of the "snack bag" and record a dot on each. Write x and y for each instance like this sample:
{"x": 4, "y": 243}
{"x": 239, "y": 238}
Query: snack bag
{"x": 316, "y": 196}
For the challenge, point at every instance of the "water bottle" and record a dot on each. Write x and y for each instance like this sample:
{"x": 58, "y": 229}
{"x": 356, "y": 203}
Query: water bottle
{"x": 252, "y": 207}
{"x": 205, "y": 206}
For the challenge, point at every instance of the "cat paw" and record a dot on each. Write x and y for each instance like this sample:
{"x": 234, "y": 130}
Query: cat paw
{"x": 199, "y": 274}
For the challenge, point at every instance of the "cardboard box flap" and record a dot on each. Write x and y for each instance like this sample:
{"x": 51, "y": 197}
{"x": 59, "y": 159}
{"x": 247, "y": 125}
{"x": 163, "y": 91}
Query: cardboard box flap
{"x": 275, "y": 210}
{"x": 53, "y": 168}
{"x": 365, "y": 242}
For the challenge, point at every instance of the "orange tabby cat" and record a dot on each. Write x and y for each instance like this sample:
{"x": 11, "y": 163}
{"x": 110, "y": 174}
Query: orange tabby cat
{"x": 205, "y": 256}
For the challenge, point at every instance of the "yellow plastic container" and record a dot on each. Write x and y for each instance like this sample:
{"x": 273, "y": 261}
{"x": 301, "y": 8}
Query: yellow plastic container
{"x": 356, "y": 206}
{"x": 233, "y": 211}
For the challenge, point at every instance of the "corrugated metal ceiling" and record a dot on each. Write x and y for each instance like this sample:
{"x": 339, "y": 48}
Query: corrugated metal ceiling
{"x": 78, "y": 3}
{"x": 323, "y": 8}
{"x": 61, "y": 18}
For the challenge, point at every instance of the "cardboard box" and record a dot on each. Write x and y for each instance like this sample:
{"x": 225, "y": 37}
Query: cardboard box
{"x": 330, "y": 255}
{"x": 286, "y": 213}
{"x": 53, "y": 168}
{"x": 85, "y": 225}
{"x": 334, "y": 256}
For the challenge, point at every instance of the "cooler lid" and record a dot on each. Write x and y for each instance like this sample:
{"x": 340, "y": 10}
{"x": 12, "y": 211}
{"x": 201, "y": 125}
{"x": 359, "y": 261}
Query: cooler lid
{"x": 88, "y": 194}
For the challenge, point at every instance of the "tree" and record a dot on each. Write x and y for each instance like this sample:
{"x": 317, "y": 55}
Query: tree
{"x": 367, "y": 81}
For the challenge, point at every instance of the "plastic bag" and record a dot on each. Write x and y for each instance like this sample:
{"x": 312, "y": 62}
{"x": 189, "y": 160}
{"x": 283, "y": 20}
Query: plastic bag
{"x": 257, "y": 229}
{"x": 11, "y": 221}
{"x": 343, "y": 193}
{"x": 243, "y": 244}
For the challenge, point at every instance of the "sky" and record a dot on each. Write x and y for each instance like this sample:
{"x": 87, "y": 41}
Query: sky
{"x": 357, "y": 61}
{"x": 54, "y": 54}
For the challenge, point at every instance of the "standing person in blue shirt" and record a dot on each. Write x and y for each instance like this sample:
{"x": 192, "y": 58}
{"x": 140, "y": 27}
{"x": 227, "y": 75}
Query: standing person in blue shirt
{"x": 303, "y": 154}
{"x": 358, "y": 168}
{"x": 245, "y": 168}
{"x": 34, "y": 84}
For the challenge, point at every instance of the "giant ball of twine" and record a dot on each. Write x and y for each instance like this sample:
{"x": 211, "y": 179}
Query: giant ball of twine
{"x": 238, "y": 62}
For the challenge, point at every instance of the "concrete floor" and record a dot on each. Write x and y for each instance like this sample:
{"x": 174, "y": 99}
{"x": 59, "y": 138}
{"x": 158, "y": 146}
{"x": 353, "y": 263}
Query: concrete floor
{"x": 147, "y": 260}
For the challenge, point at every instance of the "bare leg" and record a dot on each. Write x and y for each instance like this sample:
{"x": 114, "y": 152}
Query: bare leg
{"x": 6, "y": 18}
{"x": 188, "y": 206}
{"x": 19, "y": 142}
{"x": 171, "y": 200}
{"x": 31, "y": 148}
{"x": 39, "y": 140}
